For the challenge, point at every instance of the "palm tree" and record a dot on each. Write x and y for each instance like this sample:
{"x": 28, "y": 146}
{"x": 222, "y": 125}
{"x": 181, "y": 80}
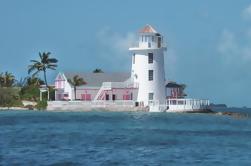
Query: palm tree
{"x": 183, "y": 87}
{"x": 34, "y": 81}
{"x": 43, "y": 64}
{"x": 7, "y": 79}
{"x": 98, "y": 71}
{"x": 76, "y": 81}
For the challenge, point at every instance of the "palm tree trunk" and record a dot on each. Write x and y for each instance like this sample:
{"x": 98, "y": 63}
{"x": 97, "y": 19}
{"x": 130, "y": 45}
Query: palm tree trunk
{"x": 45, "y": 79}
{"x": 75, "y": 92}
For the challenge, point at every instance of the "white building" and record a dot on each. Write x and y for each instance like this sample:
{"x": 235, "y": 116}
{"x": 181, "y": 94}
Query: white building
{"x": 148, "y": 66}
{"x": 145, "y": 85}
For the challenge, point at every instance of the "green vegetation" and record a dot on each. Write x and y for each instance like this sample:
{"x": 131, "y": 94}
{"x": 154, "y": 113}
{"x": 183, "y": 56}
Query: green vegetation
{"x": 75, "y": 82}
{"x": 41, "y": 105}
{"x": 7, "y": 79}
{"x": 183, "y": 87}
{"x": 30, "y": 90}
{"x": 12, "y": 91}
{"x": 9, "y": 97}
{"x": 45, "y": 63}
{"x": 98, "y": 71}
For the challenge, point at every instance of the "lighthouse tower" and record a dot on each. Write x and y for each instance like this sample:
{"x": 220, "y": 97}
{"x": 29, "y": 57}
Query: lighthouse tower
{"x": 148, "y": 66}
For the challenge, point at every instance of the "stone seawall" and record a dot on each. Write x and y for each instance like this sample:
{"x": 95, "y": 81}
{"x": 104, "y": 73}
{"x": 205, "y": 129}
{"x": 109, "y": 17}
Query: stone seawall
{"x": 89, "y": 106}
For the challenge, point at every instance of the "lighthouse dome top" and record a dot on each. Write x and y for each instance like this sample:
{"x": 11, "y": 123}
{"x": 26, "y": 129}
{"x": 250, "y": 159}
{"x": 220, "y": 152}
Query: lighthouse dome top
{"x": 148, "y": 29}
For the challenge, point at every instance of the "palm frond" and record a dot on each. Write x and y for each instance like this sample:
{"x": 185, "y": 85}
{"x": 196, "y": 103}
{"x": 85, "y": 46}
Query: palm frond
{"x": 52, "y": 60}
{"x": 34, "y": 74}
{"x": 40, "y": 55}
{"x": 52, "y": 68}
{"x": 52, "y": 65}
{"x": 35, "y": 61}
{"x": 31, "y": 68}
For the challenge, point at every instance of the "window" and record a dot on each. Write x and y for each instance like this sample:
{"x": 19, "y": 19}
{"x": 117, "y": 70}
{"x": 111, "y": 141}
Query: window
{"x": 149, "y": 45}
{"x": 150, "y": 57}
{"x": 106, "y": 96}
{"x": 126, "y": 97}
{"x": 159, "y": 42}
{"x": 133, "y": 59}
{"x": 113, "y": 97}
{"x": 150, "y": 75}
{"x": 145, "y": 38}
{"x": 152, "y": 38}
{"x": 150, "y": 96}
{"x": 142, "y": 38}
{"x": 86, "y": 97}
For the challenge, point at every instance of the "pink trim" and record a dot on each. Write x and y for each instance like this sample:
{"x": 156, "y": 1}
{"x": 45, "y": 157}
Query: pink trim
{"x": 111, "y": 89}
{"x": 86, "y": 97}
{"x": 126, "y": 97}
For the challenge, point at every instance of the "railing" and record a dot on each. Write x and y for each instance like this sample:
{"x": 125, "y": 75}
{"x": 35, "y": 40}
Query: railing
{"x": 102, "y": 103}
{"x": 188, "y": 102}
{"x": 100, "y": 92}
{"x": 146, "y": 46}
{"x": 179, "y": 105}
{"x": 110, "y": 85}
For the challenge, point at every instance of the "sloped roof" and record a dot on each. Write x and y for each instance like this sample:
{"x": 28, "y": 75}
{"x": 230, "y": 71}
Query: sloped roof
{"x": 96, "y": 79}
{"x": 173, "y": 85}
{"x": 148, "y": 29}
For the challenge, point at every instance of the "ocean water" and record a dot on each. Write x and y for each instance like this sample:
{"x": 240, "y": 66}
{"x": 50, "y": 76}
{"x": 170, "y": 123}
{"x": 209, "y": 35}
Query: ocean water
{"x": 123, "y": 138}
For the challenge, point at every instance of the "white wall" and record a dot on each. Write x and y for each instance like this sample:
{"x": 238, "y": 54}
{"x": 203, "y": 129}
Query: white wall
{"x": 63, "y": 87}
{"x": 141, "y": 67}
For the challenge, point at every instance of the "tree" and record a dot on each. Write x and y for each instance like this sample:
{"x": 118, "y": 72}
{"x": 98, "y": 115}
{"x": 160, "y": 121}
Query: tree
{"x": 34, "y": 81}
{"x": 7, "y": 79}
{"x": 42, "y": 65}
{"x": 183, "y": 87}
{"x": 98, "y": 71}
{"x": 30, "y": 89}
{"x": 9, "y": 97}
{"x": 75, "y": 82}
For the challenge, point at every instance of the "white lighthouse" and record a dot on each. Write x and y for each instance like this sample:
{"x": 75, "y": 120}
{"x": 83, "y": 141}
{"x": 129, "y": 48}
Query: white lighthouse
{"x": 148, "y": 66}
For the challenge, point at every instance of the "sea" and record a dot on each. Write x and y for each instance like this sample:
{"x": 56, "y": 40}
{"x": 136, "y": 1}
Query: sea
{"x": 31, "y": 138}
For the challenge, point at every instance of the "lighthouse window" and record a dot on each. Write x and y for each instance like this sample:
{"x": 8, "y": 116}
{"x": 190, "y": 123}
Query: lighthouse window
{"x": 149, "y": 45}
{"x": 152, "y": 38}
{"x": 133, "y": 59}
{"x": 150, "y": 75}
{"x": 150, "y": 57}
{"x": 150, "y": 96}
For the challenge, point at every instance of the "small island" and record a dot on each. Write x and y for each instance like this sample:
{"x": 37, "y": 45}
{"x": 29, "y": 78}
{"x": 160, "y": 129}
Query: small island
{"x": 145, "y": 88}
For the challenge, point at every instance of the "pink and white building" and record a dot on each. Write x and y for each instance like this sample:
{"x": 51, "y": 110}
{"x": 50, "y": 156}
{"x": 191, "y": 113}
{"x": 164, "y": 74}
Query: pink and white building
{"x": 99, "y": 86}
{"x": 145, "y": 85}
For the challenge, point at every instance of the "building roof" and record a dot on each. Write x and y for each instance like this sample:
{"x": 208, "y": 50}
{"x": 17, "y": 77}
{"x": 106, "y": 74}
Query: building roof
{"x": 148, "y": 29}
{"x": 173, "y": 85}
{"x": 96, "y": 79}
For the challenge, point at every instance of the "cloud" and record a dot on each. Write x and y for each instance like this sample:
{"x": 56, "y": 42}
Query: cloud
{"x": 171, "y": 59}
{"x": 231, "y": 49}
{"x": 115, "y": 45}
{"x": 227, "y": 44}
{"x": 246, "y": 13}
{"x": 115, "y": 41}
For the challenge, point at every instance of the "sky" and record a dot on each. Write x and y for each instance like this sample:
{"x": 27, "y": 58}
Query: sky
{"x": 209, "y": 42}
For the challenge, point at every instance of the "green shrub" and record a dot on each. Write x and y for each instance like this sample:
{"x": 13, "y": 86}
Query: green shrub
{"x": 41, "y": 105}
{"x": 30, "y": 93}
{"x": 9, "y": 97}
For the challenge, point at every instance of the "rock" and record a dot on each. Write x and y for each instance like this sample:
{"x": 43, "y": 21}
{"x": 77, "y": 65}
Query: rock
{"x": 237, "y": 115}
